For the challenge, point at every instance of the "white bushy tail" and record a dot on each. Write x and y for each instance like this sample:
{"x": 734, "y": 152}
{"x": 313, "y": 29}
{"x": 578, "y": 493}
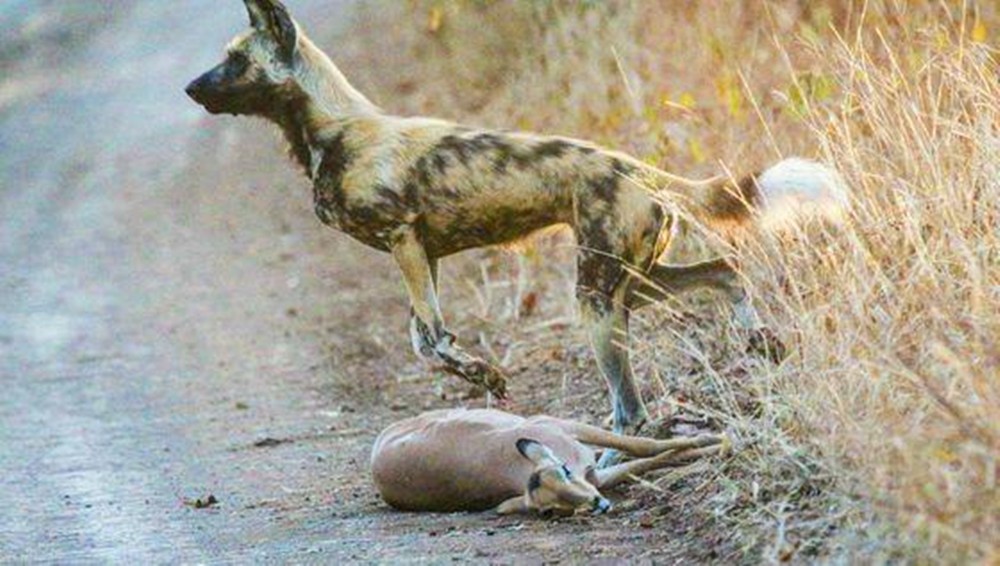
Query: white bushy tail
{"x": 797, "y": 189}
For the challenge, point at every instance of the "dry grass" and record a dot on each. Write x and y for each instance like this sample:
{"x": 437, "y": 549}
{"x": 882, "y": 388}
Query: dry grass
{"x": 879, "y": 437}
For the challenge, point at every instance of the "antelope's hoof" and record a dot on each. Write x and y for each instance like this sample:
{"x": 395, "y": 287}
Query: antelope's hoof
{"x": 764, "y": 343}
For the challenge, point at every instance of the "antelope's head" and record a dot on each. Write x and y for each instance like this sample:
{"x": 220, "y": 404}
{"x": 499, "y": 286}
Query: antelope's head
{"x": 553, "y": 488}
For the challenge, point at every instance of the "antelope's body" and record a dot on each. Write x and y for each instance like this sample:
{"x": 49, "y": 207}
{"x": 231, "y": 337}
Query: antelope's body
{"x": 465, "y": 460}
{"x": 478, "y": 459}
{"x": 423, "y": 189}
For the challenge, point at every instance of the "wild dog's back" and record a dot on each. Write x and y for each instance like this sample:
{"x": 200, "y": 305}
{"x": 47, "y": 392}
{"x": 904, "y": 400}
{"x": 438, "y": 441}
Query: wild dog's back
{"x": 481, "y": 187}
{"x": 465, "y": 187}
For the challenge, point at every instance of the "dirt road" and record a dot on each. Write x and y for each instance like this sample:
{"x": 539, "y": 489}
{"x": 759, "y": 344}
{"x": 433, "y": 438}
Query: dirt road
{"x": 174, "y": 324}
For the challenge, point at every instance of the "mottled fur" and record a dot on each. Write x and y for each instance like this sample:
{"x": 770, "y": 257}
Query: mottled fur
{"x": 424, "y": 189}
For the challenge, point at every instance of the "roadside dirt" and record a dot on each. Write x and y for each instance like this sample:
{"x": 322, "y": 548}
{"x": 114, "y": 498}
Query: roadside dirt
{"x": 175, "y": 326}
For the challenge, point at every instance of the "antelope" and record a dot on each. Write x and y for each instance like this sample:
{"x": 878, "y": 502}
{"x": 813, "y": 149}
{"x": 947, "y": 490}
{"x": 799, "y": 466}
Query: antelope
{"x": 478, "y": 459}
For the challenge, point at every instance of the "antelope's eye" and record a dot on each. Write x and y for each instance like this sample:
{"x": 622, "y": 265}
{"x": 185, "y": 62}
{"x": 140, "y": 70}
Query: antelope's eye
{"x": 566, "y": 472}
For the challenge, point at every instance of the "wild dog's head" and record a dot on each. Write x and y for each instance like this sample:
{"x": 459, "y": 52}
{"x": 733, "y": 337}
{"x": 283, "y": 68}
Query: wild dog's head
{"x": 259, "y": 69}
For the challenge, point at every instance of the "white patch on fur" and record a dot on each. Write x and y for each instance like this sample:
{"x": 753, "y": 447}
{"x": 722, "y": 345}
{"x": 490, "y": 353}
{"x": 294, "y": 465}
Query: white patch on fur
{"x": 315, "y": 159}
{"x": 796, "y": 189}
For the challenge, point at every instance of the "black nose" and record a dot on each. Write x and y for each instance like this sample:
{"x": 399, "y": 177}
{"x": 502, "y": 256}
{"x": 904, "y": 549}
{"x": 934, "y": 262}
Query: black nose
{"x": 194, "y": 90}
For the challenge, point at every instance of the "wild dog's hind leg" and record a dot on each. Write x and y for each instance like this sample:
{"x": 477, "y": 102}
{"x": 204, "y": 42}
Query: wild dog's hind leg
{"x": 427, "y": 332}
{"x": 607, "y": 327}
{"x": 663, "y": 281}
{"x": 601, "y": 288}
{"x": 617, "y": 225}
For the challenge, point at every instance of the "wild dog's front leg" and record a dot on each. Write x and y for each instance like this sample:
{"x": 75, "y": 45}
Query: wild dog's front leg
{"x": 430, "y": 339}
{"x": 420, "y": 334}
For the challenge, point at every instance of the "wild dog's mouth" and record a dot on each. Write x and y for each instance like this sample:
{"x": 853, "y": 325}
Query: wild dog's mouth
{"x": 203, "y": 100}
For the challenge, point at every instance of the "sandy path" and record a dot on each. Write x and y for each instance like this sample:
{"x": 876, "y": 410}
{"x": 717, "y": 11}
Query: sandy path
{"x": 167, "y": 300}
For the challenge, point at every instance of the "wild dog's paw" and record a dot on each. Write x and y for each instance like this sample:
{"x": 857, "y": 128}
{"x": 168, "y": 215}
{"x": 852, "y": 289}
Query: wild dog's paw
{"x": 487, "y": 375}
{"x": 763, "y": 342}
{"x": 424, "y": 342}
{"x": 481, "y": 373}
{"x": 420, "y": 338}
{"x": 470, "y": 368}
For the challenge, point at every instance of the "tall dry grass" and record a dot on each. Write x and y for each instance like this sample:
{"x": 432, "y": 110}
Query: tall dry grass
{"x": 879, "y": 437}
{"x": 897, "y": 369}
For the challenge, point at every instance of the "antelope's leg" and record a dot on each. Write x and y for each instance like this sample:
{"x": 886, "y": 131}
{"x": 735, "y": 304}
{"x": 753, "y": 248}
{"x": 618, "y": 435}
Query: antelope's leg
{"x": 428, "y": 333}
{"x": 614, "y": 475}
{"x": 633, "y": 445}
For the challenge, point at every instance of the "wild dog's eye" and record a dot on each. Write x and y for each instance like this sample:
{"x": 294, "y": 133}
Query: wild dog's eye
{"x": 566, "y": 472}
{"x": 238, "y": 62}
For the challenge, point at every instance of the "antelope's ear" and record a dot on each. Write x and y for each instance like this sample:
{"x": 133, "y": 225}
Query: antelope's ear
{"x": 272, "y": 18}
{"x": 513, "y": 506}
{"x": 536, "y": 451}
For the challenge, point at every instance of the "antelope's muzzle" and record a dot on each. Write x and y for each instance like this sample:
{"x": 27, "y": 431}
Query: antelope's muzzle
{"x": 600, "y": 505}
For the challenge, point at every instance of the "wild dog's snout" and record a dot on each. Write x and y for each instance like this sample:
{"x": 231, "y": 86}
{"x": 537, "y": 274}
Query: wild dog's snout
{"x": 210, "y": 89}
{"x": 195, "y": 89}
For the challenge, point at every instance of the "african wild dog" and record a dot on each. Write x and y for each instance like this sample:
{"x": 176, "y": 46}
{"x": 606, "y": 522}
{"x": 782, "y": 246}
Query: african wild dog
{"x": 424, "y": 189}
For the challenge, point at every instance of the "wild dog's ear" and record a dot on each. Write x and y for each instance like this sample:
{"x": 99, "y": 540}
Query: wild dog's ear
{"x": 536, "y": 452}
{"x": 271, "y": 17}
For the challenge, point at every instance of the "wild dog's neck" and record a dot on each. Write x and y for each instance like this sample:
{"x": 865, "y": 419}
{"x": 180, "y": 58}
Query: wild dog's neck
{"x": 293, "y": 116}
{"x": 329, "y": 90}
{"x": 318, "y": 100}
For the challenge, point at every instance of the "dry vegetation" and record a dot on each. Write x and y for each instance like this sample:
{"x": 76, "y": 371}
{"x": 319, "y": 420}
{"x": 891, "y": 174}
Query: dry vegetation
{"x": 879, "y": 436}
